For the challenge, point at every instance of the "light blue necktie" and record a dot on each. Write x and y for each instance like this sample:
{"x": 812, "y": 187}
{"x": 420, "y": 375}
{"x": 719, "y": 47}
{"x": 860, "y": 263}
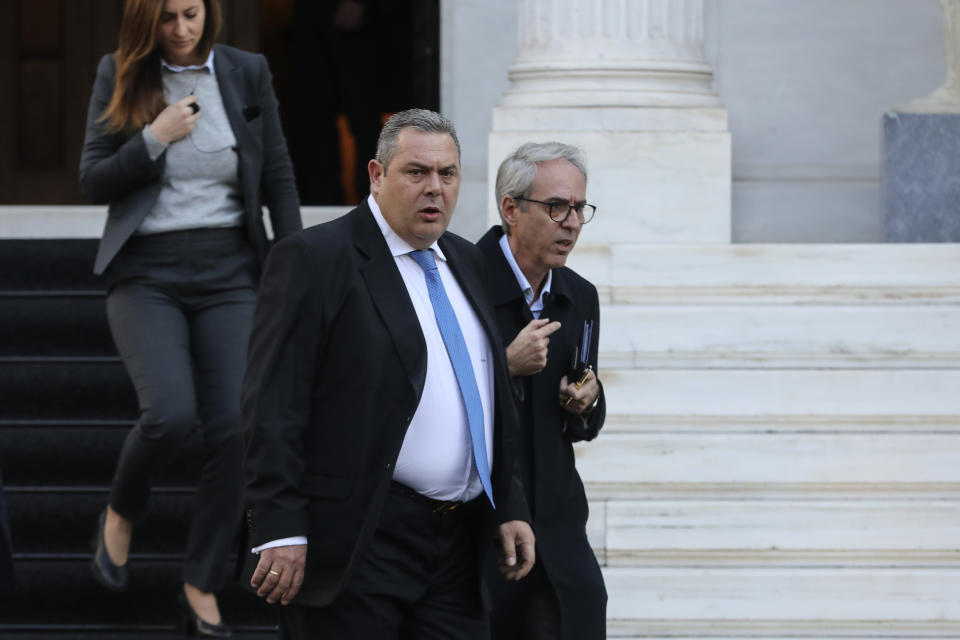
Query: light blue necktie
{"x": 460, "y": 359}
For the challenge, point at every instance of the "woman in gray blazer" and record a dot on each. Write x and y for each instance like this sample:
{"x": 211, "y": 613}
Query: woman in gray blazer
{"x": 182, "y": 138}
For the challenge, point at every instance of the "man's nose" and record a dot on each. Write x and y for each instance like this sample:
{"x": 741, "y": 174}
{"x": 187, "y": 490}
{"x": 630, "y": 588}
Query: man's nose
{"x": 433, "y": 183}
{"x": 572, "y": 221}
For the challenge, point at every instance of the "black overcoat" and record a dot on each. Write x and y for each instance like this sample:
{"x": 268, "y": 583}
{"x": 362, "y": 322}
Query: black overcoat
{"x": 553, "y": 488}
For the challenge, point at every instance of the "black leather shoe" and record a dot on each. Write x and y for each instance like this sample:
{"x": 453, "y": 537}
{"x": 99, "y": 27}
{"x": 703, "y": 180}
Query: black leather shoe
{"x": 111, "y": 576}
{"x": 196, "y": 627}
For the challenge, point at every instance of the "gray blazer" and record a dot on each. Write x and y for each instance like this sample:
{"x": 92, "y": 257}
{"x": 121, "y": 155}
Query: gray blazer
{"x": 116, "y": 169}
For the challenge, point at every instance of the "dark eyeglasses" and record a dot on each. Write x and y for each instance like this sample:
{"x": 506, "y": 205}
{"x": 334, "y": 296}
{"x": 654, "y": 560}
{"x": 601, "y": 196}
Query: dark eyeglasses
{"x": 560, "y": 211}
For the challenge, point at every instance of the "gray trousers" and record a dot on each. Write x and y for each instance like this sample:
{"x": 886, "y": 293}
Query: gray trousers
{"x": 180, "y": 310}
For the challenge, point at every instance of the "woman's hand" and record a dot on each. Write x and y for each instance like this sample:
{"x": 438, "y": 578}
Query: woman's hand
{"x": 176, "y": 121}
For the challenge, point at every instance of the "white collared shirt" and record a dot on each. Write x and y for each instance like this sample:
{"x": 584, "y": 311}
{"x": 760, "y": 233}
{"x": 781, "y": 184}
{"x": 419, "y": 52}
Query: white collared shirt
{"x": 536, "y": 306}
{"x": 436, "y": 458}
{"x": 208, "y": 65}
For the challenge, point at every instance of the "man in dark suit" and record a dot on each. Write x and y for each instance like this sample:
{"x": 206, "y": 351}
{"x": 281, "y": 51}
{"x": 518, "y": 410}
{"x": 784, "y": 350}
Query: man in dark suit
{"x": 550, "y": 318}
{"x": 378, "y": 413}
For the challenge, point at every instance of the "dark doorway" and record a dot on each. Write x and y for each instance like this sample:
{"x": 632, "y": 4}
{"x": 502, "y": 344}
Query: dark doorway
{"x": 340, "y": 67}
{"x": 48, "y": 58}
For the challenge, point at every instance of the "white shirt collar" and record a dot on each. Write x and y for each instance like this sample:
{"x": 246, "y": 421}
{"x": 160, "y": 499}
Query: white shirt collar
{"x": 208, "y": 65}
{"x": 398, "y": 246}
{"x": 522, "y": 279}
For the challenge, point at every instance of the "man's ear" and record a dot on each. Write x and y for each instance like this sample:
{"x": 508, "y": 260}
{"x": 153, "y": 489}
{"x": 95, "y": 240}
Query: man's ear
{"x": 375, "y": 169}
{"x": 510, "y": 209}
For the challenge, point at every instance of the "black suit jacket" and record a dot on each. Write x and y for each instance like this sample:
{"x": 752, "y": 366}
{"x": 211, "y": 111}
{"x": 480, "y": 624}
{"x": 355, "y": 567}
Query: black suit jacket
{"x": 553, "y": 487}
{"x": 116, "y": 168}
{"x": 336, "y": 368}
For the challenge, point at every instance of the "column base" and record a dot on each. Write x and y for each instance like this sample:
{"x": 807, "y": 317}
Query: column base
{"x": 656, "y": 175}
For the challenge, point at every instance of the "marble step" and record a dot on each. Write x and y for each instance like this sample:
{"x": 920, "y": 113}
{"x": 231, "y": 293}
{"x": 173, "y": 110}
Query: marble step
{"x": 56, "y": 222}
{"x": 776, "y": 532}
{"x": 772, "y": 273}
{"x": 799, "y": 602}
{"x": 743, "y": 465}
{"x": 698, "y": 399}
{"x": 779, "y": 336}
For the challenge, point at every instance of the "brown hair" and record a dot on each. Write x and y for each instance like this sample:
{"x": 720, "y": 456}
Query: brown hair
{"x": 138, "y": 85}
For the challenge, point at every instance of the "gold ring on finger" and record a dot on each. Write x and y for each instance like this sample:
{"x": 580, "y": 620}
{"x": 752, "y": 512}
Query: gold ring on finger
{"x": 274, "y": 573}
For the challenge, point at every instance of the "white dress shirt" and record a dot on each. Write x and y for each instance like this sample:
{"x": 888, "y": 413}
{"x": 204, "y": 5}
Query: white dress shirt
{"x": 536, "y": 306}
{"x": 436, "y": 458}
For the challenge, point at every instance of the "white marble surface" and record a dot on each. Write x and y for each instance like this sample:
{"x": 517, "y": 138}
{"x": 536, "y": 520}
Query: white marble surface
{"x": 807, "y": 602}
{"x": 87, "y": 221}
{"x": 809, "y": 461}
{"x": 478, "y": 42}
{"x": 611, "y": 119}
{"x": 629, "y": 84}
{"x": 761, "y": 274}
{"x": 52, "y": 222}
{"x": 641, "y": 631}
{"x": 800, "y": 81}
{"x": 779, "y": 336}
{"x": 776, "y": 393}
{"x": 770, "y": 532}
{"x": 599, "y": 53}
{"x": 805, "y": 84}
{"x": 836, "y": 205}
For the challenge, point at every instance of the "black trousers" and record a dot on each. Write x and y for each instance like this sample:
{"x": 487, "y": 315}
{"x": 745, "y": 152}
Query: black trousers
{"x": 526, "y": 610}
{"x": 418, "y": 580}
{"x": 180, "y": 311}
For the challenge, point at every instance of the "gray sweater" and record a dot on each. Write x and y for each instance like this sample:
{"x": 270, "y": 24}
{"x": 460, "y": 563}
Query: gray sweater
{"x": 200, "y": 185}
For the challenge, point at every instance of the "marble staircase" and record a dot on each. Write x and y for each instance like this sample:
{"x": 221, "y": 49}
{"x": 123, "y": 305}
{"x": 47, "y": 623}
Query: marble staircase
{"x": 782, "y": 450}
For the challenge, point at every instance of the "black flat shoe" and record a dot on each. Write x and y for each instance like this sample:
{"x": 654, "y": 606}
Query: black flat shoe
{"x": 192, "y": 625}
{"x": 111, "y": 576}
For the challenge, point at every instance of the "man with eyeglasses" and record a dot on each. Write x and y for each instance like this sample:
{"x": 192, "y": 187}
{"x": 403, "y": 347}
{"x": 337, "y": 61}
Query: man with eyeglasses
{"x": 550, "y": 318}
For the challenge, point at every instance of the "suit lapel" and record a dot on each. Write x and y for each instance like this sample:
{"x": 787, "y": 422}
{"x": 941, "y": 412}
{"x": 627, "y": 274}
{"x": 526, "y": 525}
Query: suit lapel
{"x": 232, "y": 91}
{"x": 230, "y": 81}
{"x": 390, "y": 297}
{"x": 504, "y": 287}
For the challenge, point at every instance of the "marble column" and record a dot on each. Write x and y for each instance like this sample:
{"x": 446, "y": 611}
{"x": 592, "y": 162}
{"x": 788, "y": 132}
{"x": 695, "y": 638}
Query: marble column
{"x": 598, "y": 53}
{"x": 627, "y": 81}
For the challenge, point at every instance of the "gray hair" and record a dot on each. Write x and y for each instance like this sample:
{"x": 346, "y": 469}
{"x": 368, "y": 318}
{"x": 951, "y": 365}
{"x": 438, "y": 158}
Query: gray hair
{"x": 419, "y": 119}
{"x": 518, "y": 171}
